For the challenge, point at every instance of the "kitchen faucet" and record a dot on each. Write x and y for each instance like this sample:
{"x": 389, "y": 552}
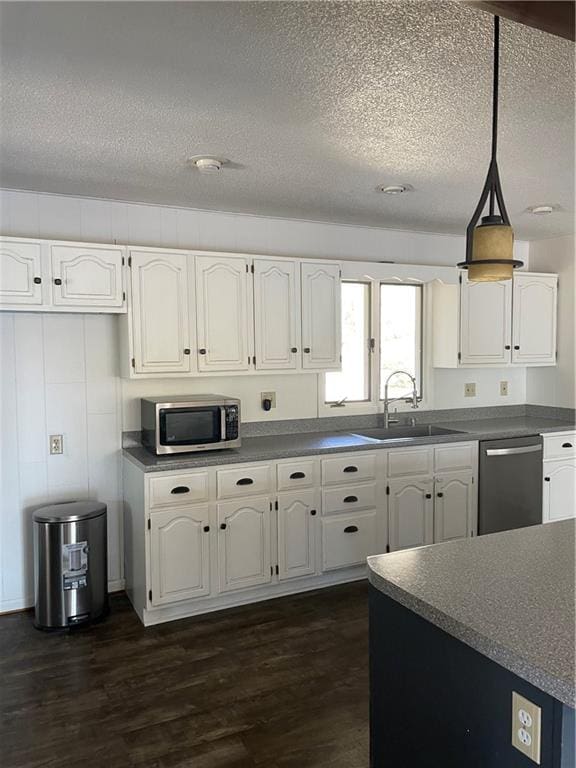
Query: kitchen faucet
{"x": 387, "y": 400}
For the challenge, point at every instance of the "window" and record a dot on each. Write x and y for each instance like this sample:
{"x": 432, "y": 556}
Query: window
{"x": 353, "y": 381}
{"x": 400, "y": 335}
{"x": 381, "y": 333}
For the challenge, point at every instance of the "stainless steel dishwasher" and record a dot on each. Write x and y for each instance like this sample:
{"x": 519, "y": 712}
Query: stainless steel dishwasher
{"x": 510, "y": 492}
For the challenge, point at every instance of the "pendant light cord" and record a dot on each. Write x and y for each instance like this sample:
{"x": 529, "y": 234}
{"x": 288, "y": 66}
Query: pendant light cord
{"x": 495, "y": 101}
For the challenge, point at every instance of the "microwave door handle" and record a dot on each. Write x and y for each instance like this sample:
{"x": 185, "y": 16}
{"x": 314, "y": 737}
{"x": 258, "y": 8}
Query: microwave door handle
{"x": 222, "y": 422}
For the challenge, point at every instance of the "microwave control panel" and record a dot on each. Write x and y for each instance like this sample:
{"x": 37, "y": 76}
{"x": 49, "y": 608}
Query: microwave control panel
{"x": 231, "y": 422}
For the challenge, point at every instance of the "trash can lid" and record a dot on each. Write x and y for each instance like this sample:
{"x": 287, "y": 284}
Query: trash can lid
{"x": 69, "y": 512}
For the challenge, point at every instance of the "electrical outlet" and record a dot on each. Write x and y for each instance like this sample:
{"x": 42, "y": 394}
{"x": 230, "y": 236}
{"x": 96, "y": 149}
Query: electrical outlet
{"x": 526, "y": 718}
{"x": 271, "y": 396}
{"x": 470, "y": 390}
{"x": 503, "y": 388}
{"x": 56, "y": 444}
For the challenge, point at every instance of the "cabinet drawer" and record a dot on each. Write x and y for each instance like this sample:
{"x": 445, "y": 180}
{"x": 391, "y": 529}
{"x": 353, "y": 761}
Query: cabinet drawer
{"x": 351, "y": 469}
{"x": 560, "y": 446}
{"x": 410, "y": 462}
{"x": 251, "y": 481}
{"x": 178, "y": 490}
{"x": 297, "y": 474}
{"x": 456, "y": 457}
{"x": 349, "y": 498}
{"x": 348, "y": 540}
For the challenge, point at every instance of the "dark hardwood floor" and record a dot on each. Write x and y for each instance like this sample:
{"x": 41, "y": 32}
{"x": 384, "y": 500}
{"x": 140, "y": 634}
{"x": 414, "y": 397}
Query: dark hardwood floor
{"x": 281, "y": 684}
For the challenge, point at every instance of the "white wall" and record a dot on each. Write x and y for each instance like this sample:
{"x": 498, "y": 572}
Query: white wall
{"x": 59, "y": 374}
{"x": 556, "y": 386}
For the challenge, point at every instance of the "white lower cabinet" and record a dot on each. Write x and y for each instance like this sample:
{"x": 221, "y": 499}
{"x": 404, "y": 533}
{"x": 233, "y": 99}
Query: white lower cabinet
{"x": 454, "y": 507}
{"x": 410, "y": 513}
{"x": 244, "y": 543}
{"x": 297, "y": 523}
{"x": 348, "y": 540}
{"x": 179, "y": 554}
{"x": 559, "y": 490}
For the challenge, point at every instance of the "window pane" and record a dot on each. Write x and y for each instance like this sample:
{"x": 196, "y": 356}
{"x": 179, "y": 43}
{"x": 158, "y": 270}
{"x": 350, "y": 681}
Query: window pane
{"x": 353, "y": 381}
{"x": 400, "y": 312}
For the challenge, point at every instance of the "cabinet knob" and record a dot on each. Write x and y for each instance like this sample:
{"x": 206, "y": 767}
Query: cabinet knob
{"x": 57, "y": 281}
{"x": 206, "y": 529}
{"x": 507, "y": 346}
{"x": 294, "y": 349}
{"x": 186, "y": 351}
{"x": 202, "y": 351}
{"x": 307, "y": 350}
{"x": 312, "y": 512}
{"x": 37, "y": 280}
{"x": 440, "y": 495}
{"x": 516, "y": 346}
{"x": 547, "y": 479}
{"x": 223, "y": 526}
{"x": 428, "y": 495}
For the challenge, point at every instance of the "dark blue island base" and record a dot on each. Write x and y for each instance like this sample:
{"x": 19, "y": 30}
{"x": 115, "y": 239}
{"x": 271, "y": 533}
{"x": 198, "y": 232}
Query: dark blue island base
{"x": 435, "y": 702}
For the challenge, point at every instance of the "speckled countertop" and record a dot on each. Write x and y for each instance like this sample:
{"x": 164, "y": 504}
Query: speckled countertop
{"x": 287, "y": 446}
{"x": 509, "y": 595}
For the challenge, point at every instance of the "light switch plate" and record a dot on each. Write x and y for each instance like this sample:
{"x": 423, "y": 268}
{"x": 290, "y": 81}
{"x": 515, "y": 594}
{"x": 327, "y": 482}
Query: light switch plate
{"x": 56, "y": 444}
{"x": 526, "y": 717}
{"x": 470, "y": 390}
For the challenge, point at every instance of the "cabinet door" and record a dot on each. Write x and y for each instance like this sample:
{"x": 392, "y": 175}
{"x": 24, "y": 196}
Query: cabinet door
{"x": 160, "y": 312}
{"x": 410, "y": 513}
{"x": 86, "y": 276}
{"x": 20, "y": 272}
{"x": 321, "y": 320}
{"x": 276, "y": 314}
{"x": 559, "y": 490}
{"x": 244, "y": 543}
{"x": 297, "y": 524}
{"x": 485, "y": 322}
{"x": 179, "y": 554}
{"x": 223, "y": 313}
{"x": 454, "y": 507}
{"x": 534, "y": 319}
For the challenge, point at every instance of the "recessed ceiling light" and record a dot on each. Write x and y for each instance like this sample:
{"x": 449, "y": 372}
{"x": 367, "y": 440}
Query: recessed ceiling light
{"x": 207, "y": 163}
{"x": 395, "y": 189}
{"x": 542, "y": 210}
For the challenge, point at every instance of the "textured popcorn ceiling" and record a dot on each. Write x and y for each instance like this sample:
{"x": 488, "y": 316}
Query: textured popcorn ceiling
{"x": 317, "y": 103}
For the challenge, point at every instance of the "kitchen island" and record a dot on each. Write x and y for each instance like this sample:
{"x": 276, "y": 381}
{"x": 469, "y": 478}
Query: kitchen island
{"x": 455, "y": 629}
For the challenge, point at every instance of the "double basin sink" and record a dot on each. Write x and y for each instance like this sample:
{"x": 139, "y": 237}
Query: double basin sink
{"x": 381, "y": 434}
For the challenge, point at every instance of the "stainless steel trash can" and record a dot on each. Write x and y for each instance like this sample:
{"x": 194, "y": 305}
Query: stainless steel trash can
{"x": 71, "y": 569}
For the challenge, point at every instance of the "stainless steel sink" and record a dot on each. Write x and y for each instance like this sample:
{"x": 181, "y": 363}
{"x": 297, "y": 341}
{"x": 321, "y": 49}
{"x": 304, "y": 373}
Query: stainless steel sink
{"x": 380, "y": 434}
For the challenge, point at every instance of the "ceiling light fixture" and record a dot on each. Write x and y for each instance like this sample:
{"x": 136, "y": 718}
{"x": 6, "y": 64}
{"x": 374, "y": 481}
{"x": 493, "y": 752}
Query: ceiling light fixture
{"x": 541, "y": 210}
{"x": 395, "y": 189}
{"x": 207, "y": 163}
{"x": 489, "y": 246}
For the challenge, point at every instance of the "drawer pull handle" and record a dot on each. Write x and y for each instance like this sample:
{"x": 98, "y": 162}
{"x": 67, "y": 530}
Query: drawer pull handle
{"x": 351, "y": 468}
{"x": 180, "y": 489}
{"x": 312, "y": 512}
{"x": 351, "y": 529}
{"x": 297, "y": 475}
{"x": 245, "y": 481}
{"x": 547, "y": 479}
{"x": 223, "y": 526}
{"x": 206, "y": 529}
{"x": 350, "y": 499}
{"x": 567, "y": 445}
{"x": 428, "y": 495}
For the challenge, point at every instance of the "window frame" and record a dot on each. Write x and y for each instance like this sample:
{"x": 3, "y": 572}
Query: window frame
{"x": 375, "y": 405}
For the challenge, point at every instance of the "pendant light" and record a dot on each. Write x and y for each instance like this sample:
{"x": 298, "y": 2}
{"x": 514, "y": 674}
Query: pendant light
{"x": 489, "y": 245}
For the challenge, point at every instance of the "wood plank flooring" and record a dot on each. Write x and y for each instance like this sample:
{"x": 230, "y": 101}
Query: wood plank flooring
{"x": 280, "y": 684}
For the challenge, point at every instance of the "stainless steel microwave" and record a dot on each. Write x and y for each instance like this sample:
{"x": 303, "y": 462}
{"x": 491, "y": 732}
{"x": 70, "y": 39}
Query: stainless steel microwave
{"x": 190, "y": 423}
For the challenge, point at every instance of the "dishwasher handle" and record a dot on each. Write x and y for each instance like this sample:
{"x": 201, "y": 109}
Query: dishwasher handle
{"x": 512, "y": 451}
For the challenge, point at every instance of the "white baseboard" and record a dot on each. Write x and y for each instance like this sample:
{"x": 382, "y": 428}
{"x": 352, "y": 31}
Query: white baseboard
{"x": 24, "y": 603}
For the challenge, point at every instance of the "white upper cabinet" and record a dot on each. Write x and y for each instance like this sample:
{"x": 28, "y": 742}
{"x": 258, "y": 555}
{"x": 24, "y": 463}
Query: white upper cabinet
{"x": 534, "y": 319}
{"x": 87, "y": 276}
{"x": 321, "y": 321}
{"x": 21, "y": 272}
{"x": 180, "y": 554}
{"x": 411, "y": 513}
{"x": 297, "y": 524}
{"x": 223, "y": 313}
{"x": 485, "y": 322}
{"x": 244, "y": 551}
{"x": 276, "y": 314}
{"x": 160, "y": 312}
